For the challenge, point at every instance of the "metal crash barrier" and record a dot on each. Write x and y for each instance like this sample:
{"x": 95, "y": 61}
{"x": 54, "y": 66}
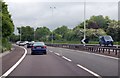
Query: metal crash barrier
{"x": 90, "y": 48}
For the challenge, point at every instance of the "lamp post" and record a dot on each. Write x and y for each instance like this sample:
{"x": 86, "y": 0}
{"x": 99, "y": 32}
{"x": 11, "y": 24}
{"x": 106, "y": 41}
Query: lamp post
{"x": 84, "y": 22}
{"x": 20, "y": 33}
{"x": 34, "y": 34}
{"x": 52, "y": 8}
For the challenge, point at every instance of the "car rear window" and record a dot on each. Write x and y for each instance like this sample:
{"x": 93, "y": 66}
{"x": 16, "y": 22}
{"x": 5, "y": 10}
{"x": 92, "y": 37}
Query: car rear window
{"x": 38, "y": 44}
{"x": 108, "y": 38}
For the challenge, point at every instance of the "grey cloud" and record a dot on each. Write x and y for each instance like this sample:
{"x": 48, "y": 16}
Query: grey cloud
{"x": 66, "y": 13}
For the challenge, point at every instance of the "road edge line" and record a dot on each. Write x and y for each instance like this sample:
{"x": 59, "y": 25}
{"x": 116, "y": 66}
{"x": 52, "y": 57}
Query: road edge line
{"x": 110, "y": 57}
{"x": 15, "y": 65}
{"x": 91, "y": 72}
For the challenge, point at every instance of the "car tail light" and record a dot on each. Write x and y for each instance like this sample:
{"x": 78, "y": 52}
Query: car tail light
{"x": 32, "y": 46}
{"x": 45, "y": 47}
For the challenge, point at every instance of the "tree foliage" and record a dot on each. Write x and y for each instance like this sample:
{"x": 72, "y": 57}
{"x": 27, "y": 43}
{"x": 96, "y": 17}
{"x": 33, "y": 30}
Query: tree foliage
{"x": 7, "y": 23}
{"x": 95, "y": 27}
{"x": 27, "y": 33}
{"x": 6, "y": 26}
{"x": 61, "y": 31}
{"x": 114, "y": 30}
{"x": 42, "y": 33}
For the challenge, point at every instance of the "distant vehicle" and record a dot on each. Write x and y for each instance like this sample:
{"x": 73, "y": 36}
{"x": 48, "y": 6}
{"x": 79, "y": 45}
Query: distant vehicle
{"x": 38, "y": 48}
{"x": 17, "y": 43}
{"x": 29, "y": 44}
{"x": 22, "y": 43}
{"x": 26, "y": 42}
{"x": 106, "y": 40}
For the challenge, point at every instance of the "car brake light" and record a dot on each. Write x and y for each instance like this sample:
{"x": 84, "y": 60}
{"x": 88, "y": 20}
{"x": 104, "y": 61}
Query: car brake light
{"x": 32, "y": 46}
{"x": 44, "y": 46}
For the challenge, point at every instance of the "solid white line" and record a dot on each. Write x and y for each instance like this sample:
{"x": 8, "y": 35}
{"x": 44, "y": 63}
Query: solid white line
{"x": 107, "y": 56}
{"x": 100, "y": 55}
{"x": 15, "y": 65}
{"x": 93, "y": 54}
{"x": 66, "y": 58}
{"x": 93, "y": 73}
{"x": 57, "y": 54}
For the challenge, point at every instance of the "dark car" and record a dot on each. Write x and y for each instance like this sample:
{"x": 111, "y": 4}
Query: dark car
{"x": 39, "y": 48}
{"x": 105, "y": 40}
{"x": 30, "y": 44}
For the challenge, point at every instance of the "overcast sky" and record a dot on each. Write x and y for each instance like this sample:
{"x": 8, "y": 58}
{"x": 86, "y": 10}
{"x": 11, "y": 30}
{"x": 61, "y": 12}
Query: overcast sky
{"x": 37, "y": 13}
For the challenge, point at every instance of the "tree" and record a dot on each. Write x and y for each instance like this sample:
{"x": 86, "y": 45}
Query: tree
{"x": 6, "y": 26}
{"x": 14, "y": 38}
{"x": 7, "y": 23}
{"x": 42, "y": 34}
{"x": 114, "y": 30}
{"x": 61, "y": 31}
{"x": 27, "y": 33}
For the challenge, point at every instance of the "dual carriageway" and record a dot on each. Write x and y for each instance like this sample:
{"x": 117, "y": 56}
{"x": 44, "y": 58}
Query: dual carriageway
{"x": 64, "y": 60}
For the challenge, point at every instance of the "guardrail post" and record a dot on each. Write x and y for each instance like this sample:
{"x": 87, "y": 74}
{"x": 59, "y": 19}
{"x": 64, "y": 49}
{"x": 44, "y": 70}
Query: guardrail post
{"x": 109, "y": 51}
{"x": 103, "y": 50}
{"x": 115, "y": 51}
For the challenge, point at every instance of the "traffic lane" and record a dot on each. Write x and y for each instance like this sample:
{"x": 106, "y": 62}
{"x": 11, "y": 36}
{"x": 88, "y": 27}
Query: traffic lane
{"x": 10, "y": 59}
{"x": 101, "y": 65}
{"x": 47, "y": 65}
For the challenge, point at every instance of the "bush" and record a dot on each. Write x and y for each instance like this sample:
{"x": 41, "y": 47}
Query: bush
{"x": 6, "y": 46}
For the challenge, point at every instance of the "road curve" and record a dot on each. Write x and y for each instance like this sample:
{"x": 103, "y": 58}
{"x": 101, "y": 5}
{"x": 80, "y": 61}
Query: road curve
{"x": 47, "y": 65}
{"x": 66, "y": 62}
{"x": 10, "y": 59}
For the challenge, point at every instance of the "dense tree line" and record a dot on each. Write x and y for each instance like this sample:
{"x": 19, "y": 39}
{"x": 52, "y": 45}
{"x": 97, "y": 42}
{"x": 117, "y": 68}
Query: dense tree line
{"x": 7, "y": 26}
{"x": 96, "y": 26}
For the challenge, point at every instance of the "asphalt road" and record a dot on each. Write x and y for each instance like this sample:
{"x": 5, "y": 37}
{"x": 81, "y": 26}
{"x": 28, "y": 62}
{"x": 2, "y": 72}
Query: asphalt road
{"x": 56, "y": 64}
{"x": 11, "y": 58}
{"x": 47, "y": 65}
{"x": 103, "y": 66}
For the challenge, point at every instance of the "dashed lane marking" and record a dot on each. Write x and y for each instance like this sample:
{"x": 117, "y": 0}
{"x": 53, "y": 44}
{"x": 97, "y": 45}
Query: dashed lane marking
{"x": 66, "y": 58}
{"x": 93, "y": 54}
{"x": 93, "y": 73}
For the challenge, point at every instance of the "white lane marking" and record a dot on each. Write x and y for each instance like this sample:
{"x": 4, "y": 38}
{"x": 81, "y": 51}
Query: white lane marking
{"x": 93, "y": 73}
{"x": 15, "y": 65}
{"x": 93, "y": 54}
{"x": 107, "y": 56}
{"x": 66, "y": 58}
{"x": 100, "y": 55}
{"x": 57, "y": 54}
{"x": 50, "y": 51}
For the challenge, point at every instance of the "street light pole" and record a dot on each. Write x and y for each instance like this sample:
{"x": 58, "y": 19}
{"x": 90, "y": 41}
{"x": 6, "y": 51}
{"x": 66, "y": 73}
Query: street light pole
{"x": 20, "y": 33}
{"x": 52, "y": 15}
{"x": 84, "y": 21}
{"x": 34, "y": 34}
